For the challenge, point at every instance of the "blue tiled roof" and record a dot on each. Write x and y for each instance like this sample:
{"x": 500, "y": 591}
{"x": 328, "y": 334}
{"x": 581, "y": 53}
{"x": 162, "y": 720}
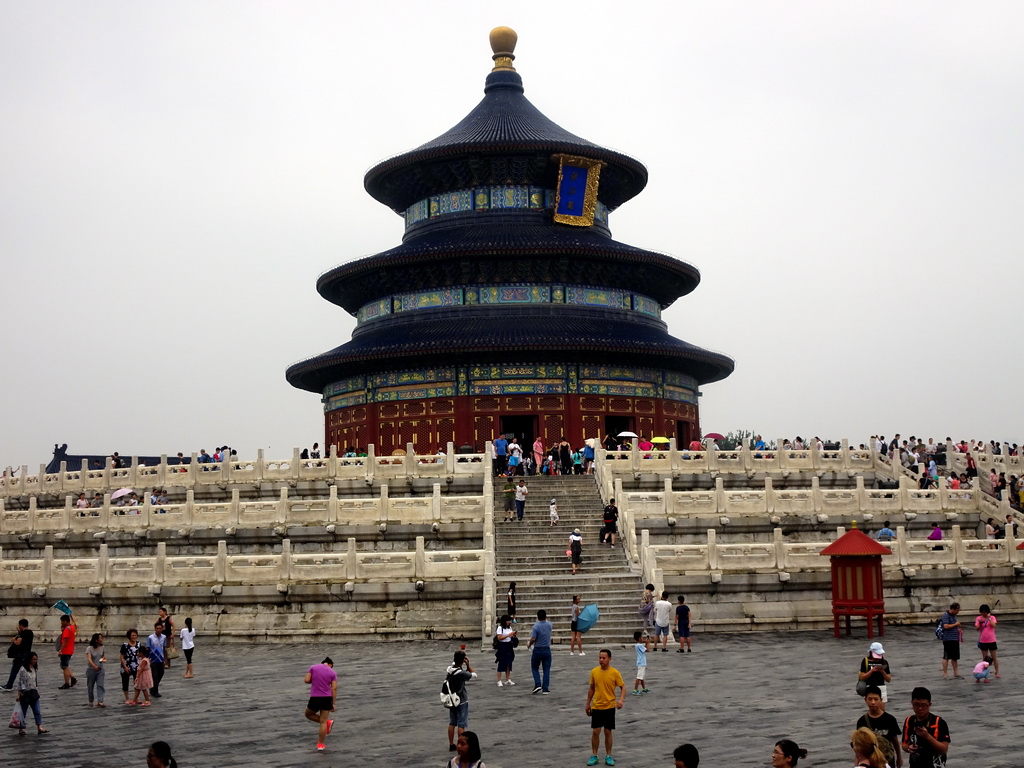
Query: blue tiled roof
{"x": 533, "y": 333}
{"x": 503, "y": 123}
{"x": 468, "y": 253}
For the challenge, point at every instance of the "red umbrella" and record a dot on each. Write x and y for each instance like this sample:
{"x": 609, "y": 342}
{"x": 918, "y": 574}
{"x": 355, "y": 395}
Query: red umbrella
{"x": 714, "y": 436}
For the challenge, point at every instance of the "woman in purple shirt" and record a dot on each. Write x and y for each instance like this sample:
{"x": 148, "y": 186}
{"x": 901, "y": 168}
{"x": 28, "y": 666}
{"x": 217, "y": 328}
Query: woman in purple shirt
{"x": 323, "y": 690}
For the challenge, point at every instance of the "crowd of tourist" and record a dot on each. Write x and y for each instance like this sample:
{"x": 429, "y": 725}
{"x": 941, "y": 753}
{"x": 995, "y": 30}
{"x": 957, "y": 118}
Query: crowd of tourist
{"x": 878, "y": 740}
{"x": 141, "y": 665}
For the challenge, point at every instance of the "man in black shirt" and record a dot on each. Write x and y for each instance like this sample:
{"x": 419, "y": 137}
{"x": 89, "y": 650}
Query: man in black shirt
{"x": 611, "y": 523}
{"x": 925, "y": 736}
{"x": 19, "y": 650}
{"x": 885, "y": 726}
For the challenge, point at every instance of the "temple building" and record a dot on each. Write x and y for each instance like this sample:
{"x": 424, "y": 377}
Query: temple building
{"x": 508, "y": 307}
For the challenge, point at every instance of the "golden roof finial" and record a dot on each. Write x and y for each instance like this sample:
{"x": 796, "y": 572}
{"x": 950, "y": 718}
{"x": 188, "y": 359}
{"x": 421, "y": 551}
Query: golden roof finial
{"x": 503, "y": 43}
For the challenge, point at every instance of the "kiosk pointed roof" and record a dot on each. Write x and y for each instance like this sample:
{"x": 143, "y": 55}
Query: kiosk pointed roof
{"x": 855, "y": 543}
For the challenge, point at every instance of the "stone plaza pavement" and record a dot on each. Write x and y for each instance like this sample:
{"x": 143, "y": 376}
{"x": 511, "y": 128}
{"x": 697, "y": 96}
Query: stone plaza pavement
{"x": 733, "y": 697}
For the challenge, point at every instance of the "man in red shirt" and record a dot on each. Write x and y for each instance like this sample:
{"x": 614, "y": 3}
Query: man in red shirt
{"x": 68, "y": 628}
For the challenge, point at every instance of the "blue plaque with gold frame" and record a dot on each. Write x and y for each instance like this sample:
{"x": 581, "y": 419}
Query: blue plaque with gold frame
{"x": 576, "y": 191}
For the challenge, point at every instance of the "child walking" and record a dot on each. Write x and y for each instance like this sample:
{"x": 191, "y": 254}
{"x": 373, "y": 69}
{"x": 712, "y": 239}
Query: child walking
{"x": 143, "y": 678}
{"x": 642, "y": 646}
{"x": 553, "y": 510}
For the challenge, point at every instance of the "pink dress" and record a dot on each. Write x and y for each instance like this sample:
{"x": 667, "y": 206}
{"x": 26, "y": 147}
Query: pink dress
{"x": 538, "y": 454}
{"x": 144, "y": 677}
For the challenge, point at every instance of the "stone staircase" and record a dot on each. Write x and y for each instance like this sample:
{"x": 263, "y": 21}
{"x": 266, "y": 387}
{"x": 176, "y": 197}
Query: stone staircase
{"x": 532, "y": 554}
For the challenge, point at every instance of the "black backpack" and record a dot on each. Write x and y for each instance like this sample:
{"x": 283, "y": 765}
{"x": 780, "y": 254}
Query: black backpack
{"x": 450, "y": 699}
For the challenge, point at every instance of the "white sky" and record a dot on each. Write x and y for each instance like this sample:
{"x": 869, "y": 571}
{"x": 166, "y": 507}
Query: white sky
{"x": 175, "y": 176}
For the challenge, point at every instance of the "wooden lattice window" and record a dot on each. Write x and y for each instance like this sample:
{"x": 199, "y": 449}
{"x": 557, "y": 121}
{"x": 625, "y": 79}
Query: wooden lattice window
{"x": 518, "y": 403}
{"x": 644, "y": 406}
{"x": 591, "y": 427}
{"x": 445, "y": 433}
{"x": 389, "y": 410}
{"x": 486, "y": 404}
{"x": 620, "y": 405}
{"x": 549, "y": 403}
{"x": 442, "y": 406}
{"x": 388, "y": 437}
{"x": 483, "y": 430}
{"x": 553, "y": 426}
{"x": 414, "y": 408}
{"x": 589, "y": 403}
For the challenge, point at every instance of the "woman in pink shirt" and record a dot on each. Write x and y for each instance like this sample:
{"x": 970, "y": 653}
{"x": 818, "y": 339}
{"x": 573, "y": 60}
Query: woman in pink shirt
{"x": 986, "y": 626}
{"x": 323, "y": 692}
{"x": 538, "y": 454}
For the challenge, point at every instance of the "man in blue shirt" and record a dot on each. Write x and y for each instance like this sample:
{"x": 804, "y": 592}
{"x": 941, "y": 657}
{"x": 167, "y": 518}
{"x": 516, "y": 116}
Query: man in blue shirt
{"x": 157, "y": 645}
{"x": 885, "y": 533}
{"x": 540, "y": 642}
{"x": 500, "y": 454}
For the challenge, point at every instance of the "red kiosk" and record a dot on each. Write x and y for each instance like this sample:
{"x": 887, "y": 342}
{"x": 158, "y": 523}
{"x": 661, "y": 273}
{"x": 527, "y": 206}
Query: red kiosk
{"x": 857, "y": 579}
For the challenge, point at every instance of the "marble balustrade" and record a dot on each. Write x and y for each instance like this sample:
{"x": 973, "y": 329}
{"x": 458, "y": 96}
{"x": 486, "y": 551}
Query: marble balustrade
{"x": 195, "y": 476}
{"x": 781, "y": 556}
{"x": 220, "y": 568}
{"x": 235, "y": 513}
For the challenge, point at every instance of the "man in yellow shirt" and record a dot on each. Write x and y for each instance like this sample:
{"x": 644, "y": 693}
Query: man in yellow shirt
{"x": 601, "y": 704}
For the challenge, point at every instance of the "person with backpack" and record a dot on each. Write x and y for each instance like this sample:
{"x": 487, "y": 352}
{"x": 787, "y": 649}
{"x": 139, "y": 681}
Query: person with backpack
{"x": 459, "y": 672}
{"x": 951, "y": 633}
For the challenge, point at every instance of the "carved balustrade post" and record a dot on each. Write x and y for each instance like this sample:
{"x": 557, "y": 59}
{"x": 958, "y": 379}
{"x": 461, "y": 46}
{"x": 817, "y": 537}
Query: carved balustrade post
{"x": 351, "y": 560}
{"x": 47, "y": 565}
{"x": 281, "y": 512}
{"x": 285, "y": 573}
{"x": 959, "y": 547}
{"x": 160, "y": 566}
{"x": 220, "y": 566}
{"x": 780, "y": 549}
{"x": 332, "y": 504}
{"x": 103, "y": 565}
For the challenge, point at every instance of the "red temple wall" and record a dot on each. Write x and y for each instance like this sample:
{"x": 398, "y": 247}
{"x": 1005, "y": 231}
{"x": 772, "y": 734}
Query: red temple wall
{"x": 430, "y": 424}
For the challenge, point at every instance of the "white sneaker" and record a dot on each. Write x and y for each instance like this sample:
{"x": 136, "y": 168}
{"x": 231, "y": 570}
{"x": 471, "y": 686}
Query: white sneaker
{"x": 582, "y": 653}
{"x": 509, "y": 682}
{"x": 572, "y": 653}
{"x": 499, "y": 683}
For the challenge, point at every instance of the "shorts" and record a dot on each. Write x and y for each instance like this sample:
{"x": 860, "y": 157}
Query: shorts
{"x": 683, "y": 631}
{"x": 603, "y": 718}
{"x": 951, "y": 650}
{"x": 988, "y": 646}
{"x": 574, "y": 626}
{"x": 65, "y": 660}
{"x": 660, "y": 630}
{"x": 319, "y": 703}
{"x": 459, "y": 716}
{"x": 640, "y": 672}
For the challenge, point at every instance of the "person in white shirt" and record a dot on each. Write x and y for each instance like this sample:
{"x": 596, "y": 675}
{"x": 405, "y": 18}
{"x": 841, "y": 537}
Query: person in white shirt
{"x": 188, "y": 636}
{"x": 662, "y": 620}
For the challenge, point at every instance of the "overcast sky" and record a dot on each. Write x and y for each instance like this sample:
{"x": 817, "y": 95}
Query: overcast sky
{"x": 848, "y": 178}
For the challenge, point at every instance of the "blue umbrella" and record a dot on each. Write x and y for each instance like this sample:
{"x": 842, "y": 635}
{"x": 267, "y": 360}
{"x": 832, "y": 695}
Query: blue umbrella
{"x": 587, "y": 618}
{"x": 63, "y": 607}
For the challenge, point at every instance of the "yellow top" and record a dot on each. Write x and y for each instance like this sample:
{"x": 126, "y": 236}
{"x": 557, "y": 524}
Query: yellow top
{"x": 503, "y": 43}
{"x": 605, "y": 681}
